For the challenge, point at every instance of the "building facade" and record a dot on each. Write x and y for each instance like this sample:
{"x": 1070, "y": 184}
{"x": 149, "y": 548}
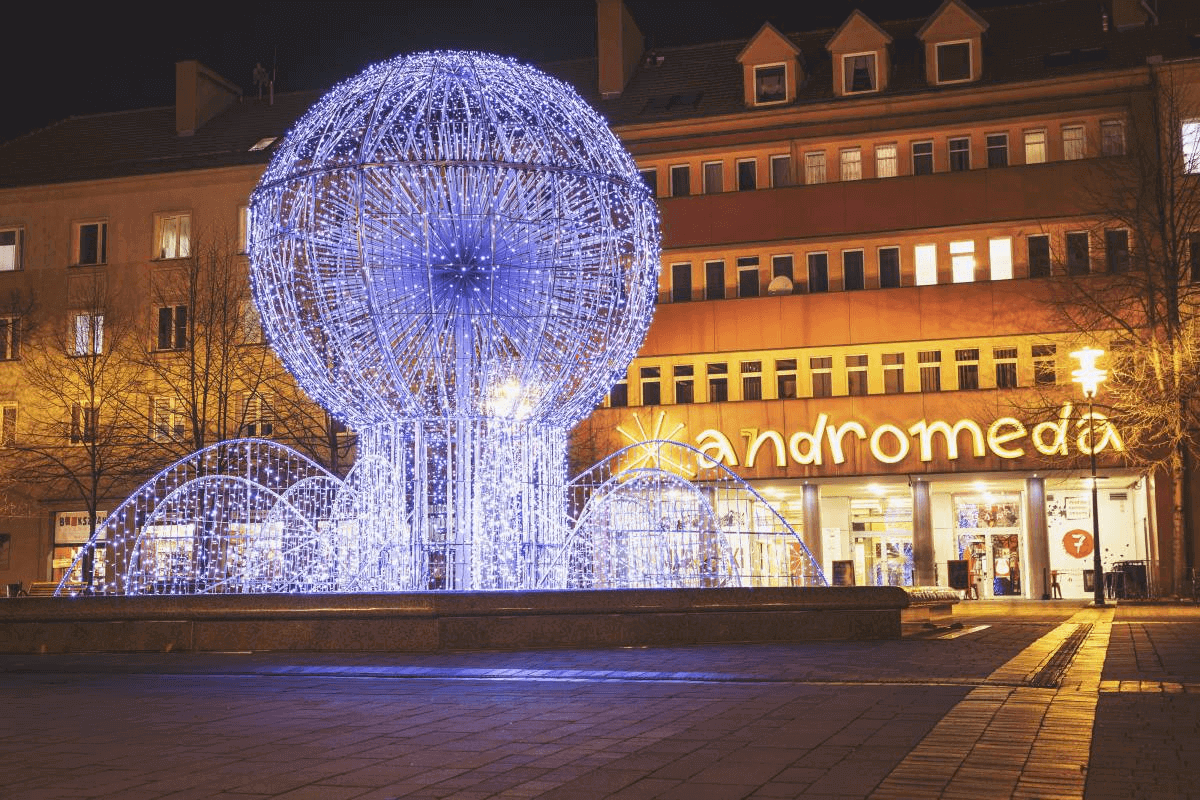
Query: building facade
{"x": 873, "y": 237}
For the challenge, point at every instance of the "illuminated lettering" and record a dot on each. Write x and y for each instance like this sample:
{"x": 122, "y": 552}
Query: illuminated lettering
{"x": 835, "y": 435}
{"x": 716, "y": 448}
{"x": 1108, "y": 434}
{"x": 901, "y": 440}
{"x": 926, "y": 430}
{"x": 1057, "y": 445}
{"x": 758, "y": 439}
{"x": 813, "y": 440}
{"x": 996, "y": 439}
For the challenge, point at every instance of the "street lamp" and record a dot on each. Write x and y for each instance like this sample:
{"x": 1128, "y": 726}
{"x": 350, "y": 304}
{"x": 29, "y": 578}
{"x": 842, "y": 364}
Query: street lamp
{"x": 1089, "y": 377}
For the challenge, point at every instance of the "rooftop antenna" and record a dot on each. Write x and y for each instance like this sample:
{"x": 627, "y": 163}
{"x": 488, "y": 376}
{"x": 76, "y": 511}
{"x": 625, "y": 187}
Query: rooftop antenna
{"x": 261, "y": 78}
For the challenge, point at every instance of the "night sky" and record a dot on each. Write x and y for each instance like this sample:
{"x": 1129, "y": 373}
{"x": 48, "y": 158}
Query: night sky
{"x": 58, "y": 63}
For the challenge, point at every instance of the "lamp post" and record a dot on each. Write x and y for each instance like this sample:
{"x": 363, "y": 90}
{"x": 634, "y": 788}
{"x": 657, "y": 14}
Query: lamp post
{"x": 1089, "y": 377}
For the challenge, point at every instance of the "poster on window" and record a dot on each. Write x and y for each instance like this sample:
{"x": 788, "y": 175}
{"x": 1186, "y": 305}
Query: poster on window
{"x": 72, "y": 527}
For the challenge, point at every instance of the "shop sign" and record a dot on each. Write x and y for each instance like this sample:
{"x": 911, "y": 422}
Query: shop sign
{"x": 1077, "y": 543}
{"x": 72, "y": 527}
{"x": 1006, "y": 437}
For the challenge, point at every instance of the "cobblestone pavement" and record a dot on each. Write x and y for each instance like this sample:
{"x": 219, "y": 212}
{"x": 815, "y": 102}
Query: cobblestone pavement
{"x": 1003, "y": 706}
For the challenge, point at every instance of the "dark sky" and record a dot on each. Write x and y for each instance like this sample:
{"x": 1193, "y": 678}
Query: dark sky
{"x": 100, "y": 57}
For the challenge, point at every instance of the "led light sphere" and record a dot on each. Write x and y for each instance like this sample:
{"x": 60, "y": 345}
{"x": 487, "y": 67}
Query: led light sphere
{"x": 454, "y": 235}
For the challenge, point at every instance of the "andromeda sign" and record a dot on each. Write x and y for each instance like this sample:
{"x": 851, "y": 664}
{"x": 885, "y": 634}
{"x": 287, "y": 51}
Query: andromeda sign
{"x": 826, "y": 442}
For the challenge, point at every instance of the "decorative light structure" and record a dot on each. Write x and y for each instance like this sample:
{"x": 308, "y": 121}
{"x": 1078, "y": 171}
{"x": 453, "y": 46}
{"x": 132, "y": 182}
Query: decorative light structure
{"x": 454, "y": 255}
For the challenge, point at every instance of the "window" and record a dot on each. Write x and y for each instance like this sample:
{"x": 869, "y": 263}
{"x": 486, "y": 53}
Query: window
{"x": 781, "y": 171}
{"x": 856, "y": 376}
{"x": 1044, "y": 367}
{"x": 8, "y": 424}
{"x": 922, "y": 155}
{"x": 172, "y": 327}
{"x": 822, "y": 376}
{"x": 893, "y": 373}
{"x": 852, "y": 270}
{"x": 258, "y": 418}
{"x": 11, "y": 245}
{"x": 960, "y": 154}
{"x": 751, "y": 380}
{"x": 770, "y": 84}
{"x": 814, "y": 167}
{"x": 166, "y": 423}
{"x": 997, "y": 150}
{"x": 249, "y": 324}
{"x": 681, "y": 283}
{"x": 748, "y": 276}
{"x": 1194, "y": 253}
{"x": 1035, "y": 147}
{"x": 681, "y": 180}
{"x": 9, "y": 340}
{"x": 1116, "y": 250}
{"x": 685, "y": 387}
{"x": 1039, "y": 255}
{"x": 953, "y": 62}
{"x": 713, "y": 175}
{"x": 858, "y": 71}
{"x": 88, "y": 333}
{"x": 851, "y": 164}
{"x": 1190, "y": 134}
{"x": 885, "y": 161}
{"x": 714, "y": 280}
{"x": 91, "y": 243}
{"x": 967, "y": 361}
{"x": 1078, "y": 262}
{"x": 818, "y": 272}
{"x": 84, "y": 422}
{"x": 785, "y": 378}
{"x": 651, "y": 390}
{"x": 1112, "y": 137}
{"x": 174, "y": 235}
{"x": 930, "y": 362}
{"x": 1000, "y": 258}
{"x": 650, "y": 178}
{"x": 747, "y": 174}
{"x": 718, "y": 383}
{"x": 1073, "y": 142}
{"x": 781, "y": 267}
{"x": 618, "y": 395}
{"x": 1005, "y": 359}
{"x": 889, "y": 267}
{"x": 925, "y": 260}
{"x": 243, "y": 229}
{"x": 962, "y": 261}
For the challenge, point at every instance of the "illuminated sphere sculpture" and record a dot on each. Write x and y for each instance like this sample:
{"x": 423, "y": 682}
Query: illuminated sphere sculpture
{"x": 454, "y": 255}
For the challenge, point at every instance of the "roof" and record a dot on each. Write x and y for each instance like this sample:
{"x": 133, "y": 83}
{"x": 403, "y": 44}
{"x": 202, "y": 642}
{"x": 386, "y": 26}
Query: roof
{"x": 1036, "y": 40}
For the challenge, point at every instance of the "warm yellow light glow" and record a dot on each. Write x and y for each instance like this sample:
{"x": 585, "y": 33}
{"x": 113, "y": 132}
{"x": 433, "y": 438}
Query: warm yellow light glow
{"x": 1088, "y": 376}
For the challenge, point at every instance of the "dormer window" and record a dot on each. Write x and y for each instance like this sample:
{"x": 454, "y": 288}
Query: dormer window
{"x": 860, "y": 73}
{"x": 953, "y": 62}
{"x": 770, "y": 84}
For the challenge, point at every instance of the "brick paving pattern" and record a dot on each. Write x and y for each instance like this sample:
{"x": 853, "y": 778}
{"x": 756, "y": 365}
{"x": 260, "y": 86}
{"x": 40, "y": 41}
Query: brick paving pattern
{"x": 941, "y": 713}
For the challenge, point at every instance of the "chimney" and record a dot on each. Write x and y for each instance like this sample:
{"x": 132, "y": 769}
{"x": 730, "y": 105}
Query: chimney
{"x": 619, "y": 46}
{"x": 200, "y": 94}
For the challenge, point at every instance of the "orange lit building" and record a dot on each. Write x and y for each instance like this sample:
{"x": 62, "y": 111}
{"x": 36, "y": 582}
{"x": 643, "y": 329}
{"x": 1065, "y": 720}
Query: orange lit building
{"x": 864, "y": 230}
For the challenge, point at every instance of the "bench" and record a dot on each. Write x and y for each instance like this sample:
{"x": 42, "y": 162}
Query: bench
{"x": 929, "y": 604}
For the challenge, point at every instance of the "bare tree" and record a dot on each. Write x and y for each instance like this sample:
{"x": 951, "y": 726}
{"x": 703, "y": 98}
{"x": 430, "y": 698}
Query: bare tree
{"x": 1146, "y": 302}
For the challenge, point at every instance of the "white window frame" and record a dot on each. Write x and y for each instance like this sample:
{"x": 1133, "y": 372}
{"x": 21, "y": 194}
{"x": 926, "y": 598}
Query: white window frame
{"x": 1000, "y": 258}
{"x": 737, "y": 173}
{"x": 671, "y": 278}
{"x": 1189, "y": 136}
{"x": 950, "y": 152}
{"x": 12, "y": 260}
{"x": 1077, "y": 148}
{"x": 173, "y": 340}
{"x": 754, "y": 87}
{"x": 863, "y": 259}
{"x": 861, "y": 369}
{"x": 771, "y": 163}
{"x": 962, "y": 260}
{"x": 720, "y": 165}
{"x": 101, "y": 242}
{"x": 643, "y": 172}
{"x": 970, "y": 62}
{"x": 243, "y": 229}
{"x": 87, "y": 333}
{"x": 912, "y": 150}
{"x": 165, "y": 409}
{"x": 815, "y": 171}
{"x": 886, "y": 166}
{"x": 172, "y": 235}
{"x": 987, "y": 148}
{"x": 671, "y": 178}
{"x": 1031, "y": 144}
{"x": 925, "y": 265}
{"x": 850, "y": 164}
{"x": 875, "y": 72}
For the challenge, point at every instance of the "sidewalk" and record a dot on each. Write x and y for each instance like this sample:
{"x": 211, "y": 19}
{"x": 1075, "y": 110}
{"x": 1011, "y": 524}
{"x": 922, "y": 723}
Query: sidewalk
{"x": 997, "y": 708}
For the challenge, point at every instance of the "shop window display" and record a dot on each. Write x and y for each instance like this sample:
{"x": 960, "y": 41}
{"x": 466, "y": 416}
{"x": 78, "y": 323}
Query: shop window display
{"x": 989, "y": 540}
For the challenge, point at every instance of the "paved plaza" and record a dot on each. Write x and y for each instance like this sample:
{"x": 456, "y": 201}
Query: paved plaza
{"x": 1025, "y": 699}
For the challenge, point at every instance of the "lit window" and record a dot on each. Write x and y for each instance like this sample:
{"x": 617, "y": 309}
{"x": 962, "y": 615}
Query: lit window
{"x": 893, "y": 373}
{"x": 1112, "y": 137}
{"x": 1190, "y": 134}
{"x": 889, "y": 267}
{"x": 751, "y": 380}
{"x": 718, "y": 383}
{"x": 1035, "y": 147}
{"x": 685, "y": 387}
{"x": 922, "y": 157}
{"x": 818, "y": 272}
{"x": 1000, "y": 256}
{"x": 681, "y": 283}
{"x": 714, "y": 280}
{"x": 172, "y": 327}
{"x": 814, "y": 167}
{"x": 681, "y": 180}
{"x": 856, "y": 375}
{"x": 770, "y": 84}
{"x": 174, "y": 235}
{"x": 1005, "y": 359}
{"x": 747, "y": 174}
{"x": 960, "y": 154}
{"x": 925, "y": 262}
{"x": 967, "y": 361}
{"x": 1073, "y": 143}
{"x": 91, "y": 243}
{"x": 885, "y": 161}
{"x": 10, "y": 342}
{"x": 962, "y": 261}
{"x": 785, "y": 378}
{"x": 11, "y": 240}
{"x": 997, "y": 149}
{"x": 781, "y": 171}
{"x": 851, "y": 164}
{"x": 822, "y": 376}
{"x": 852, "y": 270}
{"x": 858, "y": 72}
{"x": 88, "y": 334}
{"x": 713, "y": 174}
{"x": 953, "y": 62}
